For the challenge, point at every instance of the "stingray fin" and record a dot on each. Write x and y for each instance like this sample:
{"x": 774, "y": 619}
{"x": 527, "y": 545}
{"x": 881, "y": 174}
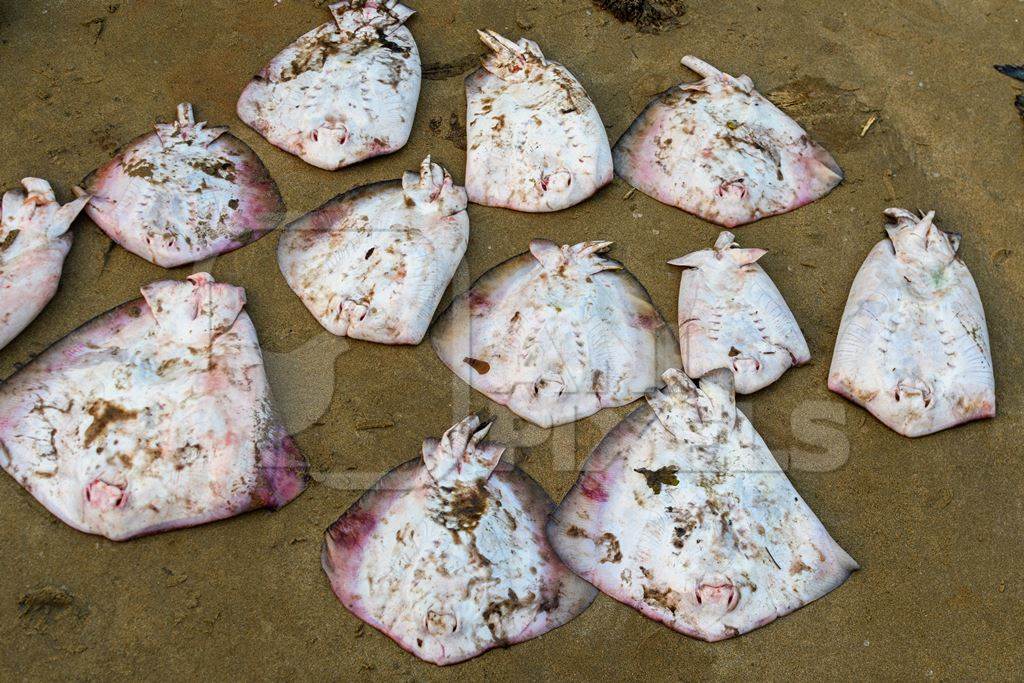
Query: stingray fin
{"x": 461, "y": 456}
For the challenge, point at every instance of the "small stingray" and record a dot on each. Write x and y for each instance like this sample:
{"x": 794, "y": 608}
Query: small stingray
{"x": 345, "y": 91}
{"x": 913, "y": 346}
{"x": 556, "y": 334}
{"x": 535, "y": 140}
{"x": 731, "y": 315}
{"x": 447, "y": 554}
{"x": 1016, "y": 72}
{"x": 682, "y": 513}
{"x": 184, "y": 193}
{"x": 719, "y": 150}
{"x": 374, "y": 262}
{"x": 34, "y": 240}
{"x": 155, "y": 415}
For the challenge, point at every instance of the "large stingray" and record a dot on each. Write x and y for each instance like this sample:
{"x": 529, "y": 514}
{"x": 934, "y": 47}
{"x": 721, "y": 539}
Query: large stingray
{"x": 732, "y": 315}
{"x": 913, "y": 346}
{"x": 184, "y": 193}
{"x": 447, "y": 554}
{"x": 34, "y": 240}
{"x": 154, "y": 416}
{"x": 718, "y": 149}
{"x": 682, "y": 513}
{"x": 373, "y": 262}
{"x": 556, "y": 334}
{"x": 535, "y": 141}
{"x": 343, "y": 92}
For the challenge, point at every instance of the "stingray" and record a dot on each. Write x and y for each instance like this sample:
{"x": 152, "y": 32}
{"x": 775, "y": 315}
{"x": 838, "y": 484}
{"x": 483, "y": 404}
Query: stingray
{"x": 155, "y": 415}
{"x": 1016, "y": 72}
{"x": 34, "y": 240}
{"x": 682, "y": 513}
{"x": 913, "y": 346}
{"x": 557, "y": 334}
{"x": 343, "y": 92}
{"x": 535, "y": 141}
{"x": 373, "y": 262}
{"x": 184, "y": 193}
{"x": 732, "y": 315}
{"x": 719, "y": 150}
{"x": 447, "y": 554}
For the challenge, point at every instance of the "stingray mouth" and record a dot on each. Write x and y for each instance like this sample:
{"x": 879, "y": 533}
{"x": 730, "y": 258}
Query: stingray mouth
{"x": 558, "y": 181}
{"x": 732, "y": 189}
{"x": 742, "y": 364}
{"x": 718, "y": 593}
{"x": 104, "y": 496}
{"x": 330, "y": 131}
{"x": 352, "y": 312}
{"x": 909, "y": 390}
{"x": 549, "y": 386}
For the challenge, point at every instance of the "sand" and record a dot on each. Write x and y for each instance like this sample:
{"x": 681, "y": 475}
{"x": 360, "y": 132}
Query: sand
{"x": 937, "y": 523}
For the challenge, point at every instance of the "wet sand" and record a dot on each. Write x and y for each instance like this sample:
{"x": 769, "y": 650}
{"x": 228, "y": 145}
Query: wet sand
{"x": 936, "y": 523}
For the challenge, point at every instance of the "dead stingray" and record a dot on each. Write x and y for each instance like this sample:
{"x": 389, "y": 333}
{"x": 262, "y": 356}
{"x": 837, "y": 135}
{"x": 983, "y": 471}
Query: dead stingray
{"x": 374, "y": 262}
{"x": 34, "y": 240}
{"x": 153, "y": 416}
{"x": 447, "y": 554}
{"x": 719, "y": 150}
{"x": 535, "y": 139}
{"x": 184, "y": 193}
{"x": 913, "y": 346}
{"x": 682, "y": 513}
{"x": 731, "y": 315}
{"x": 557, "y": 334}
{"x": 343, "y": 92}
{"x": 1016, "y": 72}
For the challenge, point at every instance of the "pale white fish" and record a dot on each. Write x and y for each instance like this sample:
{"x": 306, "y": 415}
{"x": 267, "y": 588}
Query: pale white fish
{"x": 184, "y": 193}
{"x": 731, "y": 315}
{"x": 373, "y": 262}
{"x": 447, "y": 553}
{"x": 913, "y": 346}
{"x": 34, "y": 241}
{"x": 535, "y": 141}
{"x": 719, "y": 150}
{"x": 155, "y": 415}
{"x": 343, "y": 92}
{"x": 557, "y": 334}
{"x": 682, "y": 513}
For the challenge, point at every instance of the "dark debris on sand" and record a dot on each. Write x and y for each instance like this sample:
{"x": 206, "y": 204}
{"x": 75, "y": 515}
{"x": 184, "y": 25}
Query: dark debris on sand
{"x": 649, "y": 16}
{"x": 1018, "y": 73}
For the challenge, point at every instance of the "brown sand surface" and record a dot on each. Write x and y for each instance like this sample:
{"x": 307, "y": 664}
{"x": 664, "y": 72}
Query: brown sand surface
{"x": 936, "y": 523}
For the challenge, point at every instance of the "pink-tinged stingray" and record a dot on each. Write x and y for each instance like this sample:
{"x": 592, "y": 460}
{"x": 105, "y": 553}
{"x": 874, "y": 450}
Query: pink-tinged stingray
{"x": 447, "y": 553}
{"x": 731, "y": 315}
{"x": 373, "y": 262}
{"x": 535, "y": 141}
{"x": 913, "y": 346}
{"x": 557, "y": 334}
{"x": 155, "y": 415}
{"x": 34, "y": 240}
{"x": 343, "y": 92}
{"x": 184, "y": 193}
{"x": 719, "y": 150}
{"x": 682, "y": 513}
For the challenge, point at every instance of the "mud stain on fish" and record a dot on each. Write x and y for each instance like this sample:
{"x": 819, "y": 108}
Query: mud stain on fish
{"x": 103, "y": 415}
{"x": 663, "y": 476}
{"x": 482, "y": 367}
